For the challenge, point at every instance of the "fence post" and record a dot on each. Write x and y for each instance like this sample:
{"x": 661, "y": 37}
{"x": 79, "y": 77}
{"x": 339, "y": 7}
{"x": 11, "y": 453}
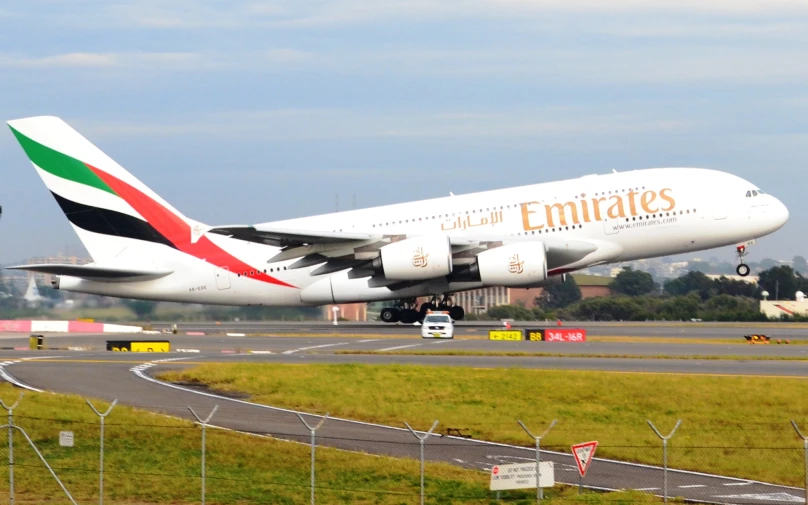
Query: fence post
{"x": 204, "y": 425}
{"x": 805, "y": 447}
{"x": 421, "y": 441}
{"x": 539, "y": 492}
{"x": 101, "y": 457}
{"x": 11, "y": 446}
{"x": 313, "y": 445}
{"x": 665, "y": 456}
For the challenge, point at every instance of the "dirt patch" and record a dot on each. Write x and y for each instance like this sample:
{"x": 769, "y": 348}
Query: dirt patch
{"x": 204, "y": 388}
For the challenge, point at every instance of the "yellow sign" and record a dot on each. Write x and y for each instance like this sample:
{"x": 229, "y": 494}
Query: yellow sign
{"x": 534, "y": 335}
{"x": 504, "y": 334}
{"x": 150, "y": 347}
{"x": 139, "y": 346}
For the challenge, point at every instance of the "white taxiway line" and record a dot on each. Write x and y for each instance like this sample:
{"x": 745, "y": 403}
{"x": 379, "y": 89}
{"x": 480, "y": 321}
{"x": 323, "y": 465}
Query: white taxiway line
{"x": 292, "y": 351}
{"x": 691, "y": 486}
{"x": 399, "y": 347}
{"x": 368, "y": 340}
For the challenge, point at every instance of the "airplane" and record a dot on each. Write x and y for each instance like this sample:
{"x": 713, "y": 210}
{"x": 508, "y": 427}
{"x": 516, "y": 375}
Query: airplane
{"x": 521, "y": 237}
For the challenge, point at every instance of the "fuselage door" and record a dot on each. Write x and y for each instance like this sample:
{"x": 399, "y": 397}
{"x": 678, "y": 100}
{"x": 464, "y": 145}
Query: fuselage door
{"x": 222, "y": 278}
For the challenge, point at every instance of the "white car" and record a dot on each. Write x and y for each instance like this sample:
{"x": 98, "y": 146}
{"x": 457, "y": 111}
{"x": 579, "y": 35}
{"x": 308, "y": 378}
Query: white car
{"x": 437, "y": 325}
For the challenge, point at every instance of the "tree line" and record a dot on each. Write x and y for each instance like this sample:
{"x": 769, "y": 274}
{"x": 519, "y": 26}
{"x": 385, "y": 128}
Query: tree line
{"x": 637, "y": 297}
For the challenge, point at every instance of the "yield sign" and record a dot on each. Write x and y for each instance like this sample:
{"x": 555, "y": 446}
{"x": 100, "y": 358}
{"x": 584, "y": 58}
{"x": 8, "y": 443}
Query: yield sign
{"x": 584, "y": 453}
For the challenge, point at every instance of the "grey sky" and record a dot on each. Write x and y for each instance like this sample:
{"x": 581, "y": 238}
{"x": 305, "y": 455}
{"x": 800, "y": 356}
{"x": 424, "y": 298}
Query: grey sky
{"x": 240, "y": 112}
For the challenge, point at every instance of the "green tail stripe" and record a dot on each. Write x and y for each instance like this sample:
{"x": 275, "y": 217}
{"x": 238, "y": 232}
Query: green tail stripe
{"x": 60, "y": 164}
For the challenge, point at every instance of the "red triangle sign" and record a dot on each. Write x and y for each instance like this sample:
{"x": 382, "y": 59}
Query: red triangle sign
{"x": 584, "y": 454}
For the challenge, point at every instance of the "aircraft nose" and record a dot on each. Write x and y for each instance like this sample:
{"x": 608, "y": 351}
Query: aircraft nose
{"x": 779, "y": 213}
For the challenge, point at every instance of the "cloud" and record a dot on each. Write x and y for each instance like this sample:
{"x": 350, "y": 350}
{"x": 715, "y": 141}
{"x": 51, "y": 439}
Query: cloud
{"x": 97, "y": 60}
{"x": 240, "y": 14}
{"x": 307, "y": 124}
{"x": 176, "y": 61}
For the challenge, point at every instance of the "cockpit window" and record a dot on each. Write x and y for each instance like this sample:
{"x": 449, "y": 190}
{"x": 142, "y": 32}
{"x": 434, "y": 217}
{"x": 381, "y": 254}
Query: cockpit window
{"x": 754, "y": 192}
{"x": 748, "y": 194}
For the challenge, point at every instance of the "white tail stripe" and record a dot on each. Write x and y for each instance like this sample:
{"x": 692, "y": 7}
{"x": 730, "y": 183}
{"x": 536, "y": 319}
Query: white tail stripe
{"x": 54, "y": 133}
{"x": 87, "y": 195}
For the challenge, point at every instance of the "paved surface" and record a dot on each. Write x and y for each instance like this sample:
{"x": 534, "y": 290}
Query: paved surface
{"x": 479, "y": 329}
{"x": 128, "y": 377}
{"x": 327, "y": 348}
{"x": 96, "y": 373}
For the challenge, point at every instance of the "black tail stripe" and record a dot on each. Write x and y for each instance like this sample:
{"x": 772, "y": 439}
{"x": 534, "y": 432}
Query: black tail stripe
{"x": 109, "y": 222}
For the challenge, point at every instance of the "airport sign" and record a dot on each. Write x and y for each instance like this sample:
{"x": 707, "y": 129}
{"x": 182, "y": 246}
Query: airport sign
{"x": 584, "y": 454}
{"x": 521, "y": 476}
{"x": 504, "y": 334}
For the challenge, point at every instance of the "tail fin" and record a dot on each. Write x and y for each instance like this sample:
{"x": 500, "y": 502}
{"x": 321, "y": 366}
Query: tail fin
{"x": 107, "y": 206}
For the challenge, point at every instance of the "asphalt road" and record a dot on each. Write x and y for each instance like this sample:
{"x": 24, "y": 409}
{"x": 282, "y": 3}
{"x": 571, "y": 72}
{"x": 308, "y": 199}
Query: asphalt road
{"x": 480, "y": 329}
{"x": 334, "y": 347}
{"x": 90, "y": 371}
{"x": 129, "y": 378}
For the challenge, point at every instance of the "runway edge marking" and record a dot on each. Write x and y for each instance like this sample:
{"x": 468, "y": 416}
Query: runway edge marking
{"x": 138, "y": 372}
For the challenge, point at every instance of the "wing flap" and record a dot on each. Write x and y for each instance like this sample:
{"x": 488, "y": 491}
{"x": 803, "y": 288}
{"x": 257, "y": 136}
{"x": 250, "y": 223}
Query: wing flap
{"x": 94, "y": 273}
{"x": 284, "y": 237}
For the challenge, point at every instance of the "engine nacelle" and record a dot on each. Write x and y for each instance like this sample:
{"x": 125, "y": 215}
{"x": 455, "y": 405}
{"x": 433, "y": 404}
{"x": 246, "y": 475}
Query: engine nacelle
{"x": 416, "y": 258}
{"x": 513, "y": 265}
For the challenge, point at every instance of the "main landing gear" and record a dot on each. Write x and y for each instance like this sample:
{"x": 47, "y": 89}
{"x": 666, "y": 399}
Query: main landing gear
{"x": 742, "y": 269}
{"x": 408, "y": 311}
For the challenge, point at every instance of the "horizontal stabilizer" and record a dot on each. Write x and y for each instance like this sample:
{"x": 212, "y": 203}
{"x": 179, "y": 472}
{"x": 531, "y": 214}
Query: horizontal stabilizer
{"x": 89, "y": 272}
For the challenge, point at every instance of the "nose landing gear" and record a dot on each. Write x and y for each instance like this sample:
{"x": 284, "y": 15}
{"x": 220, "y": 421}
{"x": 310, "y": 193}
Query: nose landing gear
{"x": 742, "y": 269}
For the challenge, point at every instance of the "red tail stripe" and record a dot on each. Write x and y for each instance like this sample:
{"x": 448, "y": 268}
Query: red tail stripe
{"x": 178, "y": 232}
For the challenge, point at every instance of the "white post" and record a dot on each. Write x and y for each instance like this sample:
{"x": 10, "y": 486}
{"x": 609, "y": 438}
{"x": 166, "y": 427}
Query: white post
{"x": 313, "y": 430}
{"x": 665, "y": 456}
{"x": 101, "y": 457}
{"x": 421, "y": 440}
{"x": 11, "y": 446}
{"x": 335, "y": 309}
{"x": 539, "y": 492}
{"x": 204, "y": 425}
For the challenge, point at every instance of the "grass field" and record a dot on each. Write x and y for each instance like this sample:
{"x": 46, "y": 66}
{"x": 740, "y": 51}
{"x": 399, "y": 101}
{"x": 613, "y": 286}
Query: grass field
{"x": 152, "y": 458}
{"x": 735, "y": 426}
{"x": 525, "y": 354}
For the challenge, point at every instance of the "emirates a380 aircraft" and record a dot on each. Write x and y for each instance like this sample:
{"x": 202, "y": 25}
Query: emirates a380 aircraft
{"x": 520, "y": 237}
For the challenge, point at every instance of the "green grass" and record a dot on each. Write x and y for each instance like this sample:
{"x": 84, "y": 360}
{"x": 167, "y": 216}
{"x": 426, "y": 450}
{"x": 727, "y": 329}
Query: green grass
{"x": 731, "y": 425}
{"x": 526, "y": 354}
{"x": 151, "y": 458}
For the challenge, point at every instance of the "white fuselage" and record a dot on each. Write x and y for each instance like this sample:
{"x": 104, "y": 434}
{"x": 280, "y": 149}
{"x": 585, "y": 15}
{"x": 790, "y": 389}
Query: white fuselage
{"x": 627, "y": 216}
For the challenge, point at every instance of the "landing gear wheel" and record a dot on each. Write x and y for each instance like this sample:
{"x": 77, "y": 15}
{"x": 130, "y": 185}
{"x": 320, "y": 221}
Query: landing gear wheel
{"x": 409, "y": 316}
{"x": 742, "y": 270}
{"x": 390, "y": 315}
{"x": 457, "y": 313}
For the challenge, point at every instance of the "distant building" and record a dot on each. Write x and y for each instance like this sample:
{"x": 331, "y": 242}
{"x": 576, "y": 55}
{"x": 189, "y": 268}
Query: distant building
{"x": 349, "y": 311}
{"x": 785, "y": 308}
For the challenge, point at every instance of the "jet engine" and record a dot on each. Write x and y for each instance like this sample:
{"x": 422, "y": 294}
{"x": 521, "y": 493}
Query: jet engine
{"x": 416, "y": 258}
{"x": 513, "y": 265}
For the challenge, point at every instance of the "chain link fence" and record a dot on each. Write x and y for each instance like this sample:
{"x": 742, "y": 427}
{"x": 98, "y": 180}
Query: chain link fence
{"x": 62, "y": 457}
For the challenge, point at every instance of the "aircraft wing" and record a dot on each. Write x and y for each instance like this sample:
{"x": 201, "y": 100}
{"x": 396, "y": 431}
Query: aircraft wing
{"x": 94, "y": 273}
{"x": 283, "y": 237}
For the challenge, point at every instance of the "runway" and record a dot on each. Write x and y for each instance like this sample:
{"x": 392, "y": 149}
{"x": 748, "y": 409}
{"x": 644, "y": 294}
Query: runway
{"x": 129, "y": 377}
{"x": 479, "y": 329}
